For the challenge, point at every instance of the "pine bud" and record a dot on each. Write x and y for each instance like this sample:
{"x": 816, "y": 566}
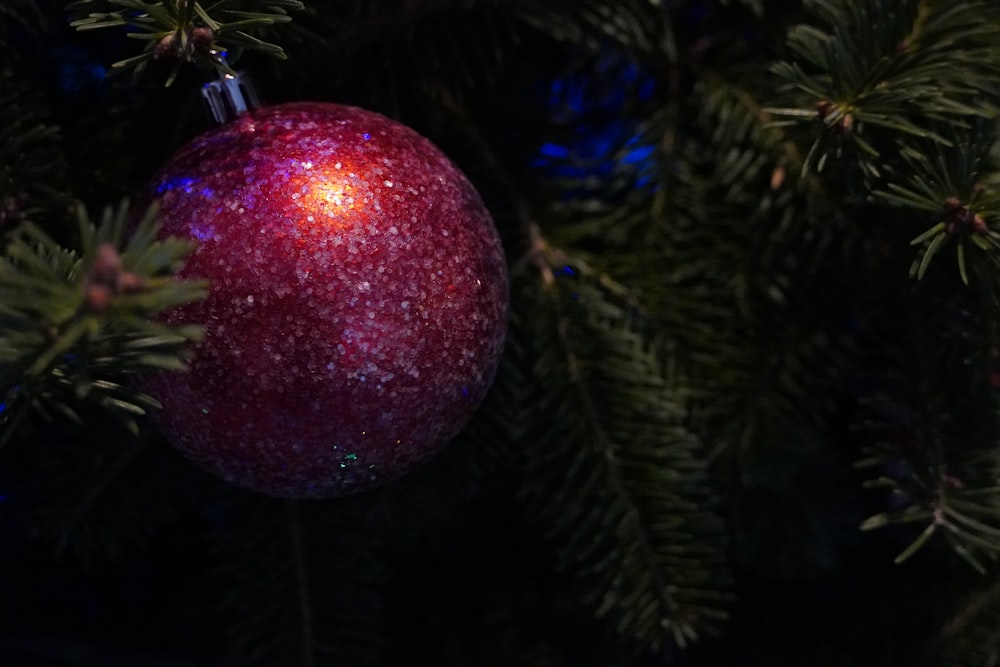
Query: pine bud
{"x": 962, "y": 220}
{"x": 202, "y": 38}
{"x": 166, "y": 47}
{"x": 130, "y": 283}
{"x": 107, "y": 267}
{"x": 844, "y": 123}
{"x": 98, "y": 297}
{"x": 11, "y": 208}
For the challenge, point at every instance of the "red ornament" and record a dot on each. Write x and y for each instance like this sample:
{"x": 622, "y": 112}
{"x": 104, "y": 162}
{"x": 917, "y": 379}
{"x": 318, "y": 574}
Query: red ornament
{"x": 358, "y": 300}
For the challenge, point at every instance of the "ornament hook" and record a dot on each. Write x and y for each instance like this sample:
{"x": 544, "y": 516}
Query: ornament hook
{"x": 230, "y": 97}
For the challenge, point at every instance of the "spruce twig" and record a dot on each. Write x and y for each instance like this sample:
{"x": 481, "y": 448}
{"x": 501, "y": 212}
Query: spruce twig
{"x": 187, "y": 31}
{"x": 74, "y": 326}
{"x": 308, "y": 638}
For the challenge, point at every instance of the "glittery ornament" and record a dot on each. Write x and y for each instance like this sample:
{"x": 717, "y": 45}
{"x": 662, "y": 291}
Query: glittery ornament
{"x": 358, "y": 300}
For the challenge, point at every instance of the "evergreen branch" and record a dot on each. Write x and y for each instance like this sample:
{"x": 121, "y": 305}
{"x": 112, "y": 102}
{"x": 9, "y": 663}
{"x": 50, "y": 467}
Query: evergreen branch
{"x": 704, "y": 214}
{"x": 972, "y": 635}
{"x": 94, "y": 497}
{"x": 254, "y": 565}
{"x": 302, "y": 585}
{"x": 619, "y": 460}
{"x": 186, "y": 30}
{"x": 79, "y": 515}
{"x": 33, "y": 177}
{"x": 940, "y": 500}
{"x": 932, "y": 66}
{"x": 739, "y": 237}
{"x": 935, "y": 455}
{"x": 316, "y": 567}
{"x": 627, "y": 22}
{"x": 72, "y": 652}
{"x": 73, "y": 325}
{"x": 411, "y": 57}
{"x": 755, "y": 6}
{"x": 16, "y": 16}
{"x": 954, "y": 183}
{"x": 741, "y": 258}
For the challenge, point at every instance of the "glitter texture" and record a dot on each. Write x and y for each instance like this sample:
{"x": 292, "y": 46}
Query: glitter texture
{"x": 358, "y": 300}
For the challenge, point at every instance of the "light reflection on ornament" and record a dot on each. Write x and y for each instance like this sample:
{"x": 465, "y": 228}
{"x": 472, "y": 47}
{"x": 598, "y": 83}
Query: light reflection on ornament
{"x": 326, "y": 190}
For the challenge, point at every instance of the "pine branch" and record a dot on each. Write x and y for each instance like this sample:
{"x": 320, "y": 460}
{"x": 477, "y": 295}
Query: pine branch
{"x": 953, "y": 189}
{"x": 935, "y": 430}
{"x": 972, "y": 637}
{"x": 70, "y": 652}
{"x": 946, "y": 497}
{"x": 94, "y": 498}
{"x": 635, "y": 24}
{"x": 33, "y": 178}
{"x": 747, "y": 268}
{"x": 308, "y": 635}
{"x": 74, "y": 327}
{"x": 315, "y": 565}
{"x": 755, "y": 6}
{"x": 741, "y": 247}
{"x": 187, "y": 31}
{"x": 17, "y": 16}
{"x": 619, "y": 485}
{"x": 406, "y": 58}
{"x": 867, "y": 81}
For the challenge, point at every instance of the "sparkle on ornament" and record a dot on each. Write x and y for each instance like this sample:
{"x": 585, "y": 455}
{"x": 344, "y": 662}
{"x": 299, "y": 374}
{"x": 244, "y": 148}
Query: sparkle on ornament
{"x": 202, "y": 233}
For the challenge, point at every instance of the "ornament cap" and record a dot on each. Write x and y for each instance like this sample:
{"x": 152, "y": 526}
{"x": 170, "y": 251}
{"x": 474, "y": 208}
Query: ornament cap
{"x": 230, "y": 97}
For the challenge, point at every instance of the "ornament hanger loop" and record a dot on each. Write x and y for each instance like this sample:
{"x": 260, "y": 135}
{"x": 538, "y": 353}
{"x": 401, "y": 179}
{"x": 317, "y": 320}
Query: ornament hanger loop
{"x": 230, "y": 97}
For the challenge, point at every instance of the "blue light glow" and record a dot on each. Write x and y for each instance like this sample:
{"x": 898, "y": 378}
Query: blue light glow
{"x": 569, "y": 93}
{"x": 597, "y": 134}
{"x": 566, "y": 271}
{"x": 177, "y": 182}
{"x": 600, "y": 151}
{"x": 549, "y": 149}
{"x": 4, "y": 405}
{"x": 77, "y": 70}
{"x": 638, "y": 155}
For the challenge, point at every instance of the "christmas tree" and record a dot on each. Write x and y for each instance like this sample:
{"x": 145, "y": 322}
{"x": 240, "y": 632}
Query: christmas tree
{"x": 746, "y": 407}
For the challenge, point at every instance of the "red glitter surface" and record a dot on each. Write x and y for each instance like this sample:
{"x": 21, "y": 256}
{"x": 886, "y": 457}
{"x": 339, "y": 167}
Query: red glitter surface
{"x": 358, "y": 300}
